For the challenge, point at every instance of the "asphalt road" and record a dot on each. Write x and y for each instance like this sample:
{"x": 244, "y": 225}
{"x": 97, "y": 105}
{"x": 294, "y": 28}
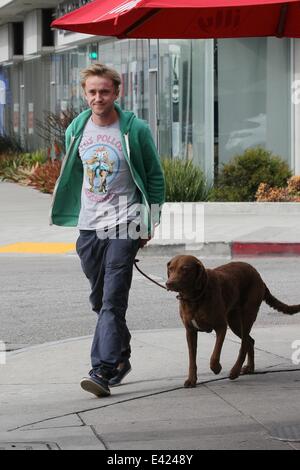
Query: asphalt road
{"x": 45, "y": 298}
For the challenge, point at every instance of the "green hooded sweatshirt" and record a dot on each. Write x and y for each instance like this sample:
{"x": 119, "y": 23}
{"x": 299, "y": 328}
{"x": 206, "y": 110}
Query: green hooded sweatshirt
{"x": 143, "y": 160}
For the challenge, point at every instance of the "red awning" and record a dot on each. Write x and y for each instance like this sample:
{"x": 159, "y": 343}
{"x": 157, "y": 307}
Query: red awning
{"x": 185, "y": 19}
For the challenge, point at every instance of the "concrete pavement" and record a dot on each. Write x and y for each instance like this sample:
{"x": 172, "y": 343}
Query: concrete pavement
{"x": 43, "y": 406}
{"x": 42, "y": 403}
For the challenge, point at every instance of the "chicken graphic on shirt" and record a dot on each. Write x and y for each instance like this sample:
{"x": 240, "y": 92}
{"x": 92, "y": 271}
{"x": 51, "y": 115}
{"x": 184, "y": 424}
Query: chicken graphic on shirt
{"x": 98, "y": 168}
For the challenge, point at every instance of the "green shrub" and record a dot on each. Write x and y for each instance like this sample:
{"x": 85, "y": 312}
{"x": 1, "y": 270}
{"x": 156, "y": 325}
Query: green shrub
{"x": 184, "y": 181}
{"x": 10, "y": 165}
{"x": 241, "y": 177}
{"x": 31, "y": 159}
{"x": 17, "y": 166}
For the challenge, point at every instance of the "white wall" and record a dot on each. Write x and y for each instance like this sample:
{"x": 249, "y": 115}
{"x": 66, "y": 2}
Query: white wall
{"x": 3, "y": 3}
{"x": 5, "y": 44}
{"x": 65, "y": 38}
{"x": 32, "y": 32}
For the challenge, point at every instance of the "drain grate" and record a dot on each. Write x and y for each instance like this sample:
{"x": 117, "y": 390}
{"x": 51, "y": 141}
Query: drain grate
{"x": 28, "y": 446}
{"x": 289, "y": 433}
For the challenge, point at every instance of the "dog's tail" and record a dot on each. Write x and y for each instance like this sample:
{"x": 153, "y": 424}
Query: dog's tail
{"x": 280, "y": 306}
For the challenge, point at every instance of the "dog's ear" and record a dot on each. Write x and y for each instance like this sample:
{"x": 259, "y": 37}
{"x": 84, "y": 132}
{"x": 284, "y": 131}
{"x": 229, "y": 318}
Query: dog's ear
{"x": 201, "y": 278}
{"x": 168, "y": 265}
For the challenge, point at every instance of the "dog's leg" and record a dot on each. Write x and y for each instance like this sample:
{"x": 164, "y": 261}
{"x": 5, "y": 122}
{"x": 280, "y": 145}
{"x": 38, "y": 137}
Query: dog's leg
{"x": 242, "y": 328}
{"x": 236, "y": 370}
{"x": 215, "y": 357}
{"x": 235, "y": 325}
{"x": 192, "y": 336}
{"x": 249, "y": 367}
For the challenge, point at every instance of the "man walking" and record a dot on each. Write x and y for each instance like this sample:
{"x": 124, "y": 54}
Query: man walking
{"x": 111, "y": 176}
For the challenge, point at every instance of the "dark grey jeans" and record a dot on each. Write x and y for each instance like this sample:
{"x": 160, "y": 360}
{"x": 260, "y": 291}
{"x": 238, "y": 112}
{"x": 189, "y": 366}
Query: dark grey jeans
{"x": 108, "y": 266}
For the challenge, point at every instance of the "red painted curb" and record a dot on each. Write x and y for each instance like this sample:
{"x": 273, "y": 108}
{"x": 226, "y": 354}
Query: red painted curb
{"x": 263, "y": 248}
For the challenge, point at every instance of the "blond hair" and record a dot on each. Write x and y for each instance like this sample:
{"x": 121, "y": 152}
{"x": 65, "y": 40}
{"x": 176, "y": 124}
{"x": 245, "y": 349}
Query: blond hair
{"x": 100, "y": 70}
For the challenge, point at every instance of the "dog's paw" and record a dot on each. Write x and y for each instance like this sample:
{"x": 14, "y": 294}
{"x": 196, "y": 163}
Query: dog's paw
{"x": 190, "y": 383}
{"x": 234, "y": 374}
{"x": 216, "y": 367}
{"x": 247, "y": 370}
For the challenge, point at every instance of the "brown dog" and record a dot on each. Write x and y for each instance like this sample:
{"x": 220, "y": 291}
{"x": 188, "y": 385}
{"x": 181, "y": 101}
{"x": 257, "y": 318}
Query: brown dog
{"x": 212, "y": 299}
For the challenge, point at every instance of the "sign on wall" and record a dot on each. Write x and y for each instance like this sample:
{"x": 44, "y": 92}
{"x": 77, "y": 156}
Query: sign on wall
{"x": 30, "y": 118}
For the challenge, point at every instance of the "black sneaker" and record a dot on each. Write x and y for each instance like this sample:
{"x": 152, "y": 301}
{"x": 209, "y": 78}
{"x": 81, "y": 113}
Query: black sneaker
{"x": 96, "y": 384}
{"x": 121, "y": 374}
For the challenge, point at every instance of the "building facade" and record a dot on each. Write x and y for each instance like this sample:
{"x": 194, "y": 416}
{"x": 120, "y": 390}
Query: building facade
{"x": 205, "y": 100}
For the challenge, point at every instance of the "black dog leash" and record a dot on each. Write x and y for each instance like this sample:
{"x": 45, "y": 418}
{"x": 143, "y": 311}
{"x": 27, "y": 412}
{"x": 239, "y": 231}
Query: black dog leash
{"x": 145, "y": 275}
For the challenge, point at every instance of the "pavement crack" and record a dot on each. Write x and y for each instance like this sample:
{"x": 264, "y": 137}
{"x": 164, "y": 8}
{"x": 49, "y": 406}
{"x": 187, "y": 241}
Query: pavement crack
{"x": 94, "y": 431}
{"x": 223, "y": 399}
{"x": 234, "y": 407}
{"x": 236, "y": 341}
{"x": 47, "y": 427}
{"x": 100, "y": 439}
{"x": 257, "y": 421}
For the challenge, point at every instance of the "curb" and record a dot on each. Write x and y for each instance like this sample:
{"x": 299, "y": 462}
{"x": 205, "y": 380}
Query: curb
{"x": 206, "y": 249}
{"x": 226, "y": 249}
{"x": 264, "y": 249}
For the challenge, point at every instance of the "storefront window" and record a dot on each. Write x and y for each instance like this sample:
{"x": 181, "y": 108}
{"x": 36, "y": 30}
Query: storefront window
{"x": 253, "y": 96}
{"x": 205, "y": 100}
{"x": 129, "y": 58}
{"x": 185, "y": 101}
{"x": 67, "y": 76}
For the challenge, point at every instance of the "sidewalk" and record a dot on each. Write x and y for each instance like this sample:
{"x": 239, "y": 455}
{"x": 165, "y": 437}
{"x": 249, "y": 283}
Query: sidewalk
{"x": 222, "y": 229}
{"x": 43, "y": 406}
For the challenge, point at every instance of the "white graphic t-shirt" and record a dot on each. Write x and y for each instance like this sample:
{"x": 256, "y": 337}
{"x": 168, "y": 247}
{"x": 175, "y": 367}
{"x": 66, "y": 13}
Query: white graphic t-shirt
{"x": 109, "y": 195}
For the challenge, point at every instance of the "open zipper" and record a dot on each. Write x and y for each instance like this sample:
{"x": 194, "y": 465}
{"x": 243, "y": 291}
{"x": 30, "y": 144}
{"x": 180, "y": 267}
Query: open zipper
{"x": 127, "y": 154}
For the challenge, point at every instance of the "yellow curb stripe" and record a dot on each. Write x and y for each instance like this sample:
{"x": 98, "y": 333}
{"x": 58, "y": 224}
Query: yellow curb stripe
{"x": 38, "y": 248}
